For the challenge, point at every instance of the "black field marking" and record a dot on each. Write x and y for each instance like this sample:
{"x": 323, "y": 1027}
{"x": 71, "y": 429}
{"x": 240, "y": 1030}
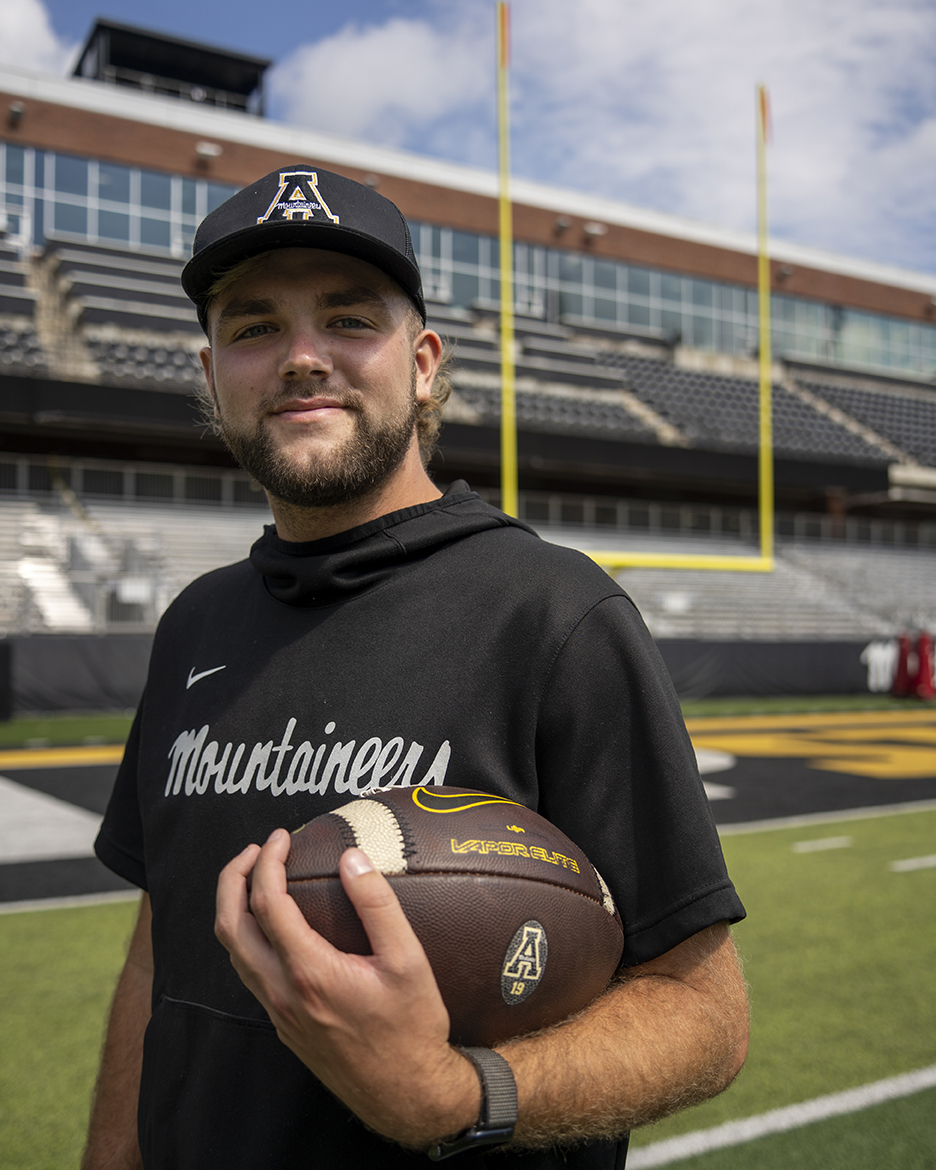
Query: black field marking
{"x": 766, "y": 789}
{"x": 88, "y": 787}
{"x": 27, "y": 880}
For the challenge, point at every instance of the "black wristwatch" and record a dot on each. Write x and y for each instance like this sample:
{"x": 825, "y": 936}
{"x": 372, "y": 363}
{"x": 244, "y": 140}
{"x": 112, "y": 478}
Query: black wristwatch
{"x": 495, "y": 1125}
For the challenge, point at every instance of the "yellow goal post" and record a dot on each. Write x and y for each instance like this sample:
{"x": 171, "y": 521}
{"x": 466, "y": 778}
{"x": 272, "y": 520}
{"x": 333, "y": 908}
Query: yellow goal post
{"x": 763, "y": 562}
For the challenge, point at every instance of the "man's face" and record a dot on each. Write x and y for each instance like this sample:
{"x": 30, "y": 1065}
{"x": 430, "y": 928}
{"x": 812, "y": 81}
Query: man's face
{"x": 316, "y": 375}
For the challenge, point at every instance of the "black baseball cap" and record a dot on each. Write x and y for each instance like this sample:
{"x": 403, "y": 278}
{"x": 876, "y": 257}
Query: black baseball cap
{"x": 301, "y": 206}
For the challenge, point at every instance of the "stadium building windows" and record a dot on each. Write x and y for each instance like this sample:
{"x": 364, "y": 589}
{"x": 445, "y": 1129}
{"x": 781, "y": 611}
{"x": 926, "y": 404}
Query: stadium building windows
{"x": 47, "y": 195}
{"x": 51, "y": 196}
{"x": 462, "y": 269}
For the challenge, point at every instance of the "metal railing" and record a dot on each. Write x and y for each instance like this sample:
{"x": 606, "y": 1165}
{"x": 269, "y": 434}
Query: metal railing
{"x": 664, "y": 519}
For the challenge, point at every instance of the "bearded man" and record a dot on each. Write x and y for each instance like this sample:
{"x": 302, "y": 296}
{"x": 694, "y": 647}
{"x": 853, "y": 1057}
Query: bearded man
{"x": 384, "y": 633}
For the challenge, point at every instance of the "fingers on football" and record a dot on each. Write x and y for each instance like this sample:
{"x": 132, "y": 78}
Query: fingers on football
{"x": 232, "y": 902}
{"x": 392, "y": 939}
{"x": 235, "y": 927}
{"x": 274, "y": 909}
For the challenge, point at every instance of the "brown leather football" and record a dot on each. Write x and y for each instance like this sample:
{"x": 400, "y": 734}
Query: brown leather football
{"x": 517, "y": 924}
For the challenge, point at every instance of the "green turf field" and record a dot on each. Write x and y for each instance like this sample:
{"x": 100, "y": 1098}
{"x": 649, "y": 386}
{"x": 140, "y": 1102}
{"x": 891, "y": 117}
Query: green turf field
{"x": 839, "y": 951}
{"x": 57, "y": 973}
{"x": 900, "y": 1135}
{"x": 65, "y": 728}
{"x": 797, "y": 704}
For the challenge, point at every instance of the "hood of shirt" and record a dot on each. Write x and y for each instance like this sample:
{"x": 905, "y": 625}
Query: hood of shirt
{"x": 324, "y": 572}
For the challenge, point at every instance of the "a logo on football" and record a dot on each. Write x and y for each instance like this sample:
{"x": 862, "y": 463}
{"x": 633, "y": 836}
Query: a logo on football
{"x": 432, "y": 801}
{"x": 524, "y": 962}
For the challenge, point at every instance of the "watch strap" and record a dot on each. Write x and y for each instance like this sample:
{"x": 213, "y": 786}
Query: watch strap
{"x": 498, "y": 1115}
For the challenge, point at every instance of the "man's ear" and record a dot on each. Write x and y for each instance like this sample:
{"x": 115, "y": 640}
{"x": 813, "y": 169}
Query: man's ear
{"x": 205, "y": 355}
{"x": 427, "y": 353}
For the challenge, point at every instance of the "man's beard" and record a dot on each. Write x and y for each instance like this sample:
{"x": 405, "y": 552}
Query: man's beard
{"x": 362, "y": 464}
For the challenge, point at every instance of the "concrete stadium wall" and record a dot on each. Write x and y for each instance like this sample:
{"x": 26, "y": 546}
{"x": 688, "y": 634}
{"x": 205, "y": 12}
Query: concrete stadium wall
{"x": 702, "y": 670}
{"x": 6, "y": 680}
{"x": 49, "y": 672}
{"x": 79, "y": 672}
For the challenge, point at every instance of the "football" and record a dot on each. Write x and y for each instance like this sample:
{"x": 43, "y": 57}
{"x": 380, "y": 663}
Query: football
{"x": 519, "y": 927}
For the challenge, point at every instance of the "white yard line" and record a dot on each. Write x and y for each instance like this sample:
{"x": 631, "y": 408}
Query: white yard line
{"x": 718, "y": 791}
{"x": 913, "y": 863}
{"x": 68, "y": 902}
{"x": 820, "y": 844}
{"x": 734, "y": 1133}
{"x": 827, "y": 818}
{"x": 710, "y": 760}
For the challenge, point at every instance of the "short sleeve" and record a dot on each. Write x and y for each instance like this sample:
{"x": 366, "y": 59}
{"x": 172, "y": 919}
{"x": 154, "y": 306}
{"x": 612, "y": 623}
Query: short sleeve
{"x": 119, "y": 842}
{"x": 618, "y": 774}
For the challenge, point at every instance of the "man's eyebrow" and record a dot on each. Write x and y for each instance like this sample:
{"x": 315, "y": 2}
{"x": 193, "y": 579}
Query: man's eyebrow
{"x": 345, "y": 298}
{"x": 348, "y": 298}
{"x": 255, "y": 307}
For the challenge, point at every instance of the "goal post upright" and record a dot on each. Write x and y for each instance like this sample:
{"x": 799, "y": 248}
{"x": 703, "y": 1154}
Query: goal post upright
{"x": 611, "y": 560}
{"x": 765, "y": 438}
{"x": 509, "y": 476}
{"x": 764, "y": 562}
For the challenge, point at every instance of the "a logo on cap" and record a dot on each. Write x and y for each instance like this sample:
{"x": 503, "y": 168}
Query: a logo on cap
{"x": 298, "y": 204}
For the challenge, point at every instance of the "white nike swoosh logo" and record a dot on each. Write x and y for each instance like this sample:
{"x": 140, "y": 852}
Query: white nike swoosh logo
{"x": 193, "y": 677}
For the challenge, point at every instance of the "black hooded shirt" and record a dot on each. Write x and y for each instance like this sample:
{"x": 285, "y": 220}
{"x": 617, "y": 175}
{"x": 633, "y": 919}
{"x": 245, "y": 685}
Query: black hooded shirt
{"x": 444, "y": 643}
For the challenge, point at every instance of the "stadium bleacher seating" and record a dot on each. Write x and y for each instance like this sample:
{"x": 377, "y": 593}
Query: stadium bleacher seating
{"x": 134, "y": 326}
{"x": 904, "y": 414}
{"x": 144, "y": 361}
{"x": 120, "y": 563}
{"x": 719, "y": 412}
{"x": 116, "y": 317}
{"x": 121, "y": 288}
{"x": 20, "y": 349}
{"x": 708, "y": 410}
{"x": 794, "y": 603}
{"x": 133, "y": 536}
{"x": 115, "y": 566}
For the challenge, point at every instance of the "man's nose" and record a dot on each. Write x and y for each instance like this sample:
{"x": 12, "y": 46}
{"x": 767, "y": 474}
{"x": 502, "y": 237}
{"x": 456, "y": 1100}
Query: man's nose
{"x": 306, "y": 356}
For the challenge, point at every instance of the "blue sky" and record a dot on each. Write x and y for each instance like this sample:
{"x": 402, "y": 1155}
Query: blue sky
{"x": 236, "y": 25}
{"x": 649, "y": 101}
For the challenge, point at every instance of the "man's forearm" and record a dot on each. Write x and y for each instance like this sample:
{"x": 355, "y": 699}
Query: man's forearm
{"x": 112, "y": 1134}
{"x": 374, "y": 1028}
{"x": 656, "y": 1042}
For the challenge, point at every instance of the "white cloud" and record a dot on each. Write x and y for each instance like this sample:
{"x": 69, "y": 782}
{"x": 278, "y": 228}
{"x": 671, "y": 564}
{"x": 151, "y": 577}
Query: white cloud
{"x": 652, "y": 102}
{"x": 390, "y": 83}
{"x": 28, "y": 39}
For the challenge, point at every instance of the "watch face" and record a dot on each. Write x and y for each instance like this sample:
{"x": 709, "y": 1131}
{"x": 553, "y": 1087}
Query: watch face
{"x": 471, "y": 1139}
